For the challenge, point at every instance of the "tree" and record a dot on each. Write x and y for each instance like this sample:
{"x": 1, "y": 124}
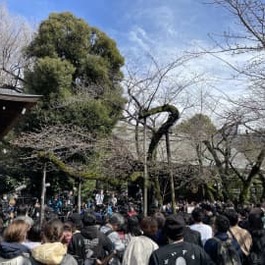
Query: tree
{"x": 247, "y": 39}
{"x": 194, "y": 131}
{"x": 15, "y": 33}
{"x": 152, "y": 111}
{"x": 77, "y": 69}
{"x": 227, "y": 149}
{"x": 73, "y": 62}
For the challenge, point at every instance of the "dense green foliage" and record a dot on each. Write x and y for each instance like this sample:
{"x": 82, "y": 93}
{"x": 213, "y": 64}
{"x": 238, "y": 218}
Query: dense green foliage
{"x": 77, "y": 69}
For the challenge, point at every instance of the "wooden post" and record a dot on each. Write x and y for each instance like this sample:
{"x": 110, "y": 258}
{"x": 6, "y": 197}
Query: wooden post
{"x": 145, "y": 173}
{"x": 43, "y": 192}
{"x": 79, "y": 195}
{"x": 171, "y": 178}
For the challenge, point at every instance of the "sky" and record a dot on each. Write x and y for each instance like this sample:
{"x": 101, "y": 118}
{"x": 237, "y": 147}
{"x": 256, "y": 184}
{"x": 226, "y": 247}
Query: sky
{"x": 149, "y": 24}
{"x": 162, "y": 28}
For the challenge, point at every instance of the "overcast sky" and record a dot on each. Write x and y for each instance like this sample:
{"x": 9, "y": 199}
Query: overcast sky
{"x": 163, "y": 28}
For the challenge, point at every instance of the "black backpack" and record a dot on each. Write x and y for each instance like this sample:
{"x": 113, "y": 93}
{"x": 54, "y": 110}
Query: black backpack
{"x": 255, "y": 258}
{"x": 226, "y": 253}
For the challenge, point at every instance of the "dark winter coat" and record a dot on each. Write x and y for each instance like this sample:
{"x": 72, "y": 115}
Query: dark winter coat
{"x": 180, "y": 252}
{"x": 89, "y": 243}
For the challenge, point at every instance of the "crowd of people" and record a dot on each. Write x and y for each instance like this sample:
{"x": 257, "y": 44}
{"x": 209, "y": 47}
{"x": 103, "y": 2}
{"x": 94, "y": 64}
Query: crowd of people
{"x": 199, "y": 233}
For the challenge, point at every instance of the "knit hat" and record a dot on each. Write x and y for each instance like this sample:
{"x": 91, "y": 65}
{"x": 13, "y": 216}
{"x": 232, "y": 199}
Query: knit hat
{"x": 174, "y": 226}
{"x": 76, "y": 219}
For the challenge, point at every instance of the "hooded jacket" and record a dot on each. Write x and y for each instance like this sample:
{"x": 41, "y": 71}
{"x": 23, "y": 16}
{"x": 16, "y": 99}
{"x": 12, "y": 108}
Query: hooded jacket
{"x": 89, "y": 243}
{"x": 14, "y": 253}
{"x": 52, "y": 254}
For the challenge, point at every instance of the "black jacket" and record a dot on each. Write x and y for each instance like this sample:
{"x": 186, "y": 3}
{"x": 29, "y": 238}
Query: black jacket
{"x": 89, "y": 243}
{"x": 171, "y": 253}
{"x": 192, "y": 236}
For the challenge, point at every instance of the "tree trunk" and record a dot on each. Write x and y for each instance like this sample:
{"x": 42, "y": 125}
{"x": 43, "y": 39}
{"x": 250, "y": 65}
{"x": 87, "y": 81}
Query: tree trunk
{"x": 244, "y": 194}
{"x": 79, "y": 195}
{"x": 145, "y": 174}
{"x": 172, "y": 186}
{"x": 156, "y": 137}
{"x": 43, "y": 191}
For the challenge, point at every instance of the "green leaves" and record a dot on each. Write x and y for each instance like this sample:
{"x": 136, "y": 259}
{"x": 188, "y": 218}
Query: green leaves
{"x": 51, "y": 77}
{"x": 64, "y": 36}
{"x": 77, "y": 70}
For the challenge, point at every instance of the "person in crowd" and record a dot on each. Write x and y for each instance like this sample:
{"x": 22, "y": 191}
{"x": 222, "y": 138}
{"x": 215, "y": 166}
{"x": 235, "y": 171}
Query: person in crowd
{"x": 12, "y": 250}
{"x": 243, "y": 217}
{"x": 190, "y": 235}
{"x": 49, "y": 214}
{"x": 242, "y": 236}
{"x": 111, "y": 229}
{"x": 22, "y": 214}
{"x": 11, "y": 209}
{"x": 221, "y": 228}
{"x": 208, "y": 213}
{"x": 113, "y": 199}
{"x": 67, "y": 232}
{"x": 205, "y": 230}
{"x": 77, "y": 223}
{"x": 1, "y": 229}
{"x": 160, "y": 237}
{"x": 52, "y": 250}
{"x": 132, "y": 228}
{"x": 90, "y": 244}
{"x": 99, "y": 198}
{"x": 134, "y": 253}
{"x": 177, "y": 251}
{"x": 131, "y": 211}
{"x": 257, "y": 231}
{"x": 33, "y": 236}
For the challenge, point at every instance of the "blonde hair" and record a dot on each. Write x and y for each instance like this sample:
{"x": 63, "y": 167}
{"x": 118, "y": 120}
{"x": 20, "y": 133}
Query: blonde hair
{"x": 12, "y": 202}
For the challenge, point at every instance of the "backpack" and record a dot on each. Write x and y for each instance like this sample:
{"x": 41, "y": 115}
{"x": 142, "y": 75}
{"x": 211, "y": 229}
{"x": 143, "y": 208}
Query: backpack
{"x": 255, "y": 258}
{"x": 226, "y": 253}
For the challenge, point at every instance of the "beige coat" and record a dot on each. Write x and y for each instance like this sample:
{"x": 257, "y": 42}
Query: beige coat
{"x": 139, "y": 251}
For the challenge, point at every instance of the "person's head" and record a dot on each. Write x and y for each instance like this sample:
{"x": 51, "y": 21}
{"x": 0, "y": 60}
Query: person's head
{"x": 76, "y": 219}
{"x": 16, "y": 231}
{"x": 160, "y": 218}
{"x": 149, "y": 226}
{"x": 133, "y": 226}
{"x": 27, "y": 219}
{"x": 255, "y": 220}
{"x": 53, "y": 231}
{"x": 221, "y": 224}
{"x": 22, "y": 209}
{"x": 232, "y": 216}
{"x": 197, "y": 215}
{"x": 174, "y": 227}
{"x": 67, "y": 232}
{"x": 35, "y": 232}
{"x": 186, "y": 216}
{"x": 89, "y": 219}
{"x": 116, "y": 221}
{"x": 12, "y": 202}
